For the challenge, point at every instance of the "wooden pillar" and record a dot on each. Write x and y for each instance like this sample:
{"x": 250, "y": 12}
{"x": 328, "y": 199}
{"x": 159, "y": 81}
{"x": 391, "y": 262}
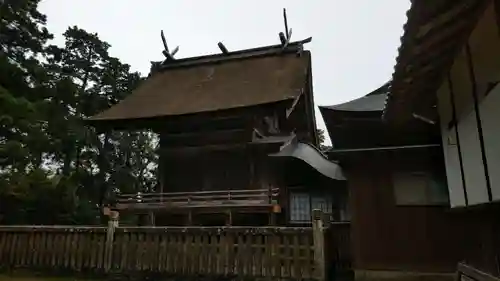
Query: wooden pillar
{"x": 229, "y": 218}
{"x": 252, "y": 168}
{"x": 190, "y": 213}
{"x": 151, "y": 219}
{"x": 110, "y": 237}
{"x": 190, "y": 218}
{"x": 160, "y": 174}
{"x": 275, "y": 209}
{"x": 319, "y": 244}
{"x": 272, "y": 219}
{"x": 162, "y": 158}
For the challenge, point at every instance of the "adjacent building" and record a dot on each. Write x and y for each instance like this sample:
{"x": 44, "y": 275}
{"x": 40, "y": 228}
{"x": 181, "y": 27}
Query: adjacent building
{"x": 448, "y": 70}
{"x": 398, "y": 199}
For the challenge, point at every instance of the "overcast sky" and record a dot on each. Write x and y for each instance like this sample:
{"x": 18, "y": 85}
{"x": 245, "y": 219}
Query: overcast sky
{"x": 353, "y": 49}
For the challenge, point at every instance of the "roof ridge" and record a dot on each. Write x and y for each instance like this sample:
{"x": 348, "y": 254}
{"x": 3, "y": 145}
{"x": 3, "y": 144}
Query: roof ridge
{"x": 292, "y": 47}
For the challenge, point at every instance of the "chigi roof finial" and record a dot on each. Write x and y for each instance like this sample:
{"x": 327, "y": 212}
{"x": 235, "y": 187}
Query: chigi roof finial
{"x": 169, "y": 55}
{"x": 285, "y": 36}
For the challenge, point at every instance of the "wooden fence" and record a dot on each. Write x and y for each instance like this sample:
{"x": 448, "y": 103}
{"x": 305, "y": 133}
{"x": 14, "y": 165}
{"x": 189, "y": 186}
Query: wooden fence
{"x": 278, "y": 252}
{"x": 338, "y": 247}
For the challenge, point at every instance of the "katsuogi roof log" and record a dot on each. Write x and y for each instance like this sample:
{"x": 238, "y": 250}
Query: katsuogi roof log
{"x": 217, "y": 82}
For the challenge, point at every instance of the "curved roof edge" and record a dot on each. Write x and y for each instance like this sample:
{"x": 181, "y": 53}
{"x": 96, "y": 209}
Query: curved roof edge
{"x": 374, "y": 101}
{"x": 313, "y": 157}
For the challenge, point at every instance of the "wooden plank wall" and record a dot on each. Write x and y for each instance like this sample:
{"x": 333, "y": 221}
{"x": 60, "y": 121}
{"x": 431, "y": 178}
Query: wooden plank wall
{"x": 338, "y": 247}
{"x": 245, "y": 252}
{"x": 286, "y": 252}
{"x": 57, "y": 247}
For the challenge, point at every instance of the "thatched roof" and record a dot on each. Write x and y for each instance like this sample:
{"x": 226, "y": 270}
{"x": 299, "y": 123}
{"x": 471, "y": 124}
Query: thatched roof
{"x": 217, "y": 82}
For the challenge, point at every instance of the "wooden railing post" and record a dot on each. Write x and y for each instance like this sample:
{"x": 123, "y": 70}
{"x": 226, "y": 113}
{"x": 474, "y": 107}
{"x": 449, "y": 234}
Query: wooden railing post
{"x": 319, "y": 244}
{"x": 110, "y": 236}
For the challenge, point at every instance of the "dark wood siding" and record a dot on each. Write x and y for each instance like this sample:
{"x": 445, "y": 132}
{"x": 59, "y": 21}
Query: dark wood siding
{"x": 410, "y": 238}
{"x": 220, "y": 170}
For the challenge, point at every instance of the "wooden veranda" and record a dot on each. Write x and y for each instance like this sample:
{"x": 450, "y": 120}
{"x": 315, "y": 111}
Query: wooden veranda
{"x": 225, "y": 202}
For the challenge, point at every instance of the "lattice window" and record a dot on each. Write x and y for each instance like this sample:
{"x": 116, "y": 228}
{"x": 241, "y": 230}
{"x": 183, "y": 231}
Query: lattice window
{"x": 302, "y": 204}
{"x": 323, "y": 203}
{"x": 300, "y": 207}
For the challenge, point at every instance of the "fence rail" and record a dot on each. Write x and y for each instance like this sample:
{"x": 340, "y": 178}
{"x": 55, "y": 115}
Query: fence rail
{"x": 198, "y": 199}
{"x": 279, "y": 252}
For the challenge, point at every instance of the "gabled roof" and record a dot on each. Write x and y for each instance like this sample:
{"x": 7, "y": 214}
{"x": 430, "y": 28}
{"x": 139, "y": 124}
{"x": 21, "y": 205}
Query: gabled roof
{"x": 223, "y": 81}
{"x": 434, "y": 32}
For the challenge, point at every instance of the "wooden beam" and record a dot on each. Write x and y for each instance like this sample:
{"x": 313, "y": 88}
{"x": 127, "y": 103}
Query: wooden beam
{"x": 175, "y": 124}
{"x": 203, "y": 125}
{"x": 239, "y": 209}
{"x": 272, "y": 219}
{"x": 349, "y": 121}
{"x": 215, "y": 147}
{"x": 203, "y": 138}
{"x": 310, "y": 110}
{"x": 289, "y": 110}
{"x": 197, "y": 149}
{"x": 221, "y": 120}
{"x": 229, "y": 218}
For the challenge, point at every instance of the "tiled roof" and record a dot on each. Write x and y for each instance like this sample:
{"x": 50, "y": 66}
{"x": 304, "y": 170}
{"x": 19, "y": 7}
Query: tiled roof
{"x": 434, "y": 32}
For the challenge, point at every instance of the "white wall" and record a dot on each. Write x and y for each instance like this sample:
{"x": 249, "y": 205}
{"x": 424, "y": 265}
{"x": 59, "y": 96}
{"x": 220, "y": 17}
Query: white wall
{"x": 450, "y": 149}
{"x": 475, "y": 180}
{"x": 453, "y": 170}
{"x": 490, "y": 120}
{"x": 467, "y": 144}
{"x": 484, "y": 45}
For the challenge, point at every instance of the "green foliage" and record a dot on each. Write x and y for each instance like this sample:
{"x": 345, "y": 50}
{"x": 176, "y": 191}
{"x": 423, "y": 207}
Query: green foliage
{"x": 53, "y": 168}
{"x": 321, "y": 138}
